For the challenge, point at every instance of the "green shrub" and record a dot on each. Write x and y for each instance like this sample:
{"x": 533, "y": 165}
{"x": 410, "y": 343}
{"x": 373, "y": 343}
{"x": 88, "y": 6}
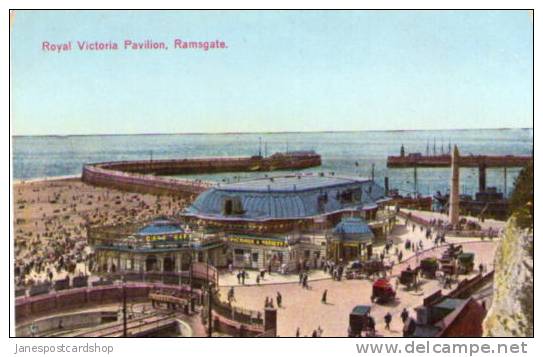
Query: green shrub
{"x": 521, "y": 203}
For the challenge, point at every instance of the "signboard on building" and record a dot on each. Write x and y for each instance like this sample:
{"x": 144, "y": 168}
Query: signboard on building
{"x": 160, "y": 237}
{"x": 258, "y": 241}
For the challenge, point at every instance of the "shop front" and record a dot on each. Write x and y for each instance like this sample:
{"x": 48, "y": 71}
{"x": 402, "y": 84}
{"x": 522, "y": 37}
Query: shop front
{"x": 257, "y": 252}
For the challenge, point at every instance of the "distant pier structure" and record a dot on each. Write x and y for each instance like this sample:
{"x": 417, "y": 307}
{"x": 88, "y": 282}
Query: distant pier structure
{"x": 147, "y": 176}
{"x": 482, "y": 162}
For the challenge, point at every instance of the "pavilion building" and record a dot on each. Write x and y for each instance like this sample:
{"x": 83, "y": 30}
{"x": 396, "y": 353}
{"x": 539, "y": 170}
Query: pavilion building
{"x": 162, "y": 245}
{"x": 281, "y": 223}
{"x": 287, "y": 221}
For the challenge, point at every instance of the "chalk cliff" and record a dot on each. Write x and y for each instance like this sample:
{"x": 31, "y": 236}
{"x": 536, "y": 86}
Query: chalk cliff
{"x": 512, "y": 310}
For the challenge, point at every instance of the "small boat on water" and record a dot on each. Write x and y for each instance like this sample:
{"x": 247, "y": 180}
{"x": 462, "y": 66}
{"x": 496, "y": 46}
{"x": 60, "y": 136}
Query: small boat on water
{"x": 408, "y": 201}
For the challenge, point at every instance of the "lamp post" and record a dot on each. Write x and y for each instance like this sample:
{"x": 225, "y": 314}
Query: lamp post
{"x": 209, "y": 302}
{"x": 190, "y": 274}
{"x": 125, "y": 332}
{"x": 209, "y": 309}
{"x": 190, "y": 283}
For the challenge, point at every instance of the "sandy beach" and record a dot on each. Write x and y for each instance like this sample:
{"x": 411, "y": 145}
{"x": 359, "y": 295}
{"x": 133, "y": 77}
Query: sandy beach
{"x": 50, "y": 218}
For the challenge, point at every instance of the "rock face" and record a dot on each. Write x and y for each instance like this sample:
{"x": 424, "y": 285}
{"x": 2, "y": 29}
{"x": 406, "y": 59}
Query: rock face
{"x": 512, "y": 311}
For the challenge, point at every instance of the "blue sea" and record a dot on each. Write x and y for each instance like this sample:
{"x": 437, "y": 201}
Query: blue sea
{"x": 48, "y": 156}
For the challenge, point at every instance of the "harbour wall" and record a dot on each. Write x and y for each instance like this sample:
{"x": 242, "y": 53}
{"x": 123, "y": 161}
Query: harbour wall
{"x": 144, "y": 175}
{"x": 414, "y": 160}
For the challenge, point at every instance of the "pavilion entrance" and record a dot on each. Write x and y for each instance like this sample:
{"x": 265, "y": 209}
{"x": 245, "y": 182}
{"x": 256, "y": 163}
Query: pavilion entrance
{"x": 151, "y": 263}
{"x": 169, "y": 264}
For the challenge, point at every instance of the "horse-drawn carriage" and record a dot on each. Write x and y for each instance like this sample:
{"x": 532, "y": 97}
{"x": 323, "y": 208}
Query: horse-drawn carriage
{"x": 382, "y": 291}
{"x": 408, "y": 277}
{"x": 366, "y": 269}
{"x": 374, "y": 266}
{"x": 448, "y": 259}
{"x": 465, "y": 263}
{"x": 361, "y": 321}
{"x": 429, "y": 267}
{"x": 452, "y": 252}
{"x": 354, "y": 270}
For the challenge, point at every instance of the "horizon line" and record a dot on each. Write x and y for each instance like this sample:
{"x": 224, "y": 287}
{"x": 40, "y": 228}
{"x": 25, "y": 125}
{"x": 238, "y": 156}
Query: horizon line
{"x": 268, "y": 132}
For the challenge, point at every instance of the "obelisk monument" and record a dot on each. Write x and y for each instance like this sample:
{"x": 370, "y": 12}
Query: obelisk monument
{"x": 454, "y": 199}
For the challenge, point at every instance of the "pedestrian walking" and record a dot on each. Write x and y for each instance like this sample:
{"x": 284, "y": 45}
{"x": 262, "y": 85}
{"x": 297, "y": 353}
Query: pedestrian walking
{"x": 231, "y": 295}
{"x": 324, "y": 295}
{"x": 404, "y": 315}
{"x": 279, "y": 299}
{"x": 319, "y": 331}
{"x": 388, "y": 319}
{"x": 305, "y": 281}
{"x": 371, "y": 325}
{"x": 448, "y": 282}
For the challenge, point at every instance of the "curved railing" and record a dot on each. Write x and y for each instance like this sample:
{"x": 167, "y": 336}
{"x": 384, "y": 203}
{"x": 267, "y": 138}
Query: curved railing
{"x": 244, "y": 316}
{"x": 77, "y": 298}
{"x": 237, "y": 321}
{"x": 200, "y": 274}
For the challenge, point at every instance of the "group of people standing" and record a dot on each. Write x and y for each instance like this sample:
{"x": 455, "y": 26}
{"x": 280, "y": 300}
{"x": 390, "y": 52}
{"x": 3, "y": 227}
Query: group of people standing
{"x": 335, "y": 270}
{"x": 242, "y": 275}
{"x": 316, "y": 333}
{"x": 303, "y": 279}
{"x": 269, "y": 301}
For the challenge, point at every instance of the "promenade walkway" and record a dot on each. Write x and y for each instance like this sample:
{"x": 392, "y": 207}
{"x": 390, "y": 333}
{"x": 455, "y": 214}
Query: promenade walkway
{"x": 227, "y": 279}
{"x": 427, "y": 215}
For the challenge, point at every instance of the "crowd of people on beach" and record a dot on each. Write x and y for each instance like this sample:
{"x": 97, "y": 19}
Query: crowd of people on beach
{"x": 51, "y": 219}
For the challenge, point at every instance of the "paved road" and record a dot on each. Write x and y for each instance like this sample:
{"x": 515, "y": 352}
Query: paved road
{"x": 303, "y": 308}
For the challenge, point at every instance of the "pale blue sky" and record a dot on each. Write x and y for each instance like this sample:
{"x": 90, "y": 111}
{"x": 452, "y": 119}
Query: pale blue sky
{"x": 283, "y": 71}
